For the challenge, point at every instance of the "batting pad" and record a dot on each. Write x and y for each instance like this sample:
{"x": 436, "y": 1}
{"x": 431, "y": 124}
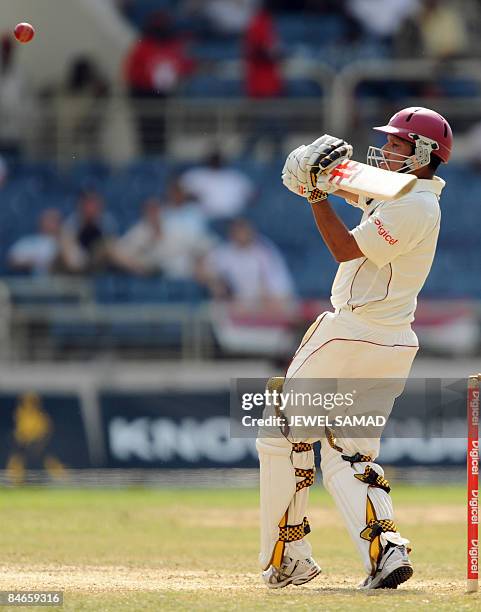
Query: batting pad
{"x": 283, "y": 500}
{"x": 357, "y": 501}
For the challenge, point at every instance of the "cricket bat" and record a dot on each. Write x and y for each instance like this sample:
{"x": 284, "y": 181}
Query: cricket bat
{"x": 369, "y": 181}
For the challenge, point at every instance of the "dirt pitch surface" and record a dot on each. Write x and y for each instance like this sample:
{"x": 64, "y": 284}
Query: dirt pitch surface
{"x": 92, "y": 579}
{"x": 130, "y": 550}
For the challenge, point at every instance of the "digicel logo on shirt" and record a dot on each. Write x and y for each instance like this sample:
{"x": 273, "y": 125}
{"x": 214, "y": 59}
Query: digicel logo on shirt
{"x": 382, "y": 231}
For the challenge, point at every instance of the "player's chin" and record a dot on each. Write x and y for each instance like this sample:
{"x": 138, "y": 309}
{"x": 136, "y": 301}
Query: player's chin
{"x": 392, "y": 166}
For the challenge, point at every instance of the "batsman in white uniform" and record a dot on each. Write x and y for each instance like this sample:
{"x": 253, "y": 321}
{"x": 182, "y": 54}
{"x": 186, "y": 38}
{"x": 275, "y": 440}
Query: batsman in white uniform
{"x": 384, "y": 262}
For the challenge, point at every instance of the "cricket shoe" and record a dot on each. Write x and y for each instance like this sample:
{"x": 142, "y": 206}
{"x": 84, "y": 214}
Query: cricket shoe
{"x": 393, "y": 568}
{"x": 292, "y": 571}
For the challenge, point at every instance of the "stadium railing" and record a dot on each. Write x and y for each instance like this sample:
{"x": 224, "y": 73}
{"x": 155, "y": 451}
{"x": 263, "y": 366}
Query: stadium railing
{"x": 461, "y": 101}
{"x": 318, "y": 99}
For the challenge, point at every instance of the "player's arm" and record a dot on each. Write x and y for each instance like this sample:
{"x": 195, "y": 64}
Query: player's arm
{"x": 346, "y": 195}
{"x": 338, "y": 239}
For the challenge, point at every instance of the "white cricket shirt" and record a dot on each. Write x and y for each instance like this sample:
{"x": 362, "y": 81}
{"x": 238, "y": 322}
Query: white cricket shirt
{"x": 398, "y": 239}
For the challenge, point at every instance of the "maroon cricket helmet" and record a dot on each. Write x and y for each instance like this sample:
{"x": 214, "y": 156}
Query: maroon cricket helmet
{"x": 419, "y": 121}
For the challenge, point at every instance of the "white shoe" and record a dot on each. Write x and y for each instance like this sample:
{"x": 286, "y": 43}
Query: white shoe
{"x": 394, "y": 568}
{"x": 292, "y": 571}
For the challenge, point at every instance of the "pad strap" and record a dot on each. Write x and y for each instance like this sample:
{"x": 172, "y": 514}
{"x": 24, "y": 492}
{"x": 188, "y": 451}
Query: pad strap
{"x": 372, "y": 478}
{"x": 351, "y": 458}
{"x": 291, "y": 533}
{"x": 308, "y": 476}
{"x": 357, "y": 458}
{"x": 301, "y": 447}
{"x": 375, "y": 527}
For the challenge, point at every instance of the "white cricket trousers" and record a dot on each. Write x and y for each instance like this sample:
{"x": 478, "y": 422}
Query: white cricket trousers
{"x": 338, "y": 345}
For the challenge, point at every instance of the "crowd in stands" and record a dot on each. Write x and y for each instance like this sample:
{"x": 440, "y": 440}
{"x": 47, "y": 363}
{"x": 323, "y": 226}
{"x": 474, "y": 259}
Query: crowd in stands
{"x": 443, "y": 27}
{"x": 181, "y": 44}
{"x": 194, "y": 232}
{"x": 197, "y": 229}
{"x": 147, "y": 226}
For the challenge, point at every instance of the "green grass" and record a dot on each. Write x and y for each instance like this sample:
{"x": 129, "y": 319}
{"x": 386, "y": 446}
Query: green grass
{"x": 137, "y": 549}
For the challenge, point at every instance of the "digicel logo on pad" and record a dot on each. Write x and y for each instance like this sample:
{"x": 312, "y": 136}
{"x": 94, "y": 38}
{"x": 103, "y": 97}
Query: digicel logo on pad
{"x": 382, "y": 231}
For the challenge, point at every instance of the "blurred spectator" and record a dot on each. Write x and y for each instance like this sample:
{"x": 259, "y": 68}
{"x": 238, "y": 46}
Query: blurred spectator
{"x": 181, "y": 211}
{"x": 87, "y": 235}
{"x": 82, "y": 107}
{"x": 249, "y": 270}
{"x": 382, "y": 18}
{"x": 222, "y": 192}
{"x": 263, "y": 77}
{"x": 223, "y": 18}
{"x": 443, "y": 29}
{"x": 437, "y": 31}
{"x": 17, "y": 105}
{"x": 154, "y": 246}
{"x": 38, "y": 253}
{"x": 154, "y": 70}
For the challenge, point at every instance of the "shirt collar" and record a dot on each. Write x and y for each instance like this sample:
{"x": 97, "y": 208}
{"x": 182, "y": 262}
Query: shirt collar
{"x": 434, "y": 185}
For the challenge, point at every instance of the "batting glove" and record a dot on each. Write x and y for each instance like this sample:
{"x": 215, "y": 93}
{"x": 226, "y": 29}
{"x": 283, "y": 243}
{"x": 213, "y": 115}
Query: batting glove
{"x": 306, "y": 168}
{"x": 292, "y": 176}
{"x": 318, "y": 160}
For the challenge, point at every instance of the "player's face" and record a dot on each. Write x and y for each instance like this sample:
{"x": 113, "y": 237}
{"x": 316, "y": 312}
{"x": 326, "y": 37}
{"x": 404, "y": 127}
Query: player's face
{"x": 395, "y": 152}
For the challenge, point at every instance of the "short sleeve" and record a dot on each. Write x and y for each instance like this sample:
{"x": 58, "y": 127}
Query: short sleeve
{"x": 391, "y": 230}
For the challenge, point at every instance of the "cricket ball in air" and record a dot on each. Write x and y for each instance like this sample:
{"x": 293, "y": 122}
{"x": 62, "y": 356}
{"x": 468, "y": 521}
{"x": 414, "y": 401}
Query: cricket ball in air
{"x": 24, "y": 32}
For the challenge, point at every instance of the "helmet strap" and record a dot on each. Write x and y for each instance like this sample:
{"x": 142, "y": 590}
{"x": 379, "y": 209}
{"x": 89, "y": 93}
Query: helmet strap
{"x": 423, "y": 149}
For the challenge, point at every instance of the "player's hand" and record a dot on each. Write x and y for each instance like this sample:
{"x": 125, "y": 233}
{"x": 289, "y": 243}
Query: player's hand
{"x": 295, "y": 176}
{"x": 292, "y": 176}
{"x": 320, "y": 158}
{"x": 306, "y": 168}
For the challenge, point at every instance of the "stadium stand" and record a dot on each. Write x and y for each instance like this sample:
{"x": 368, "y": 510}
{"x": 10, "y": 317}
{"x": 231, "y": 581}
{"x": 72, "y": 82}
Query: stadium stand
{"x": 34, "y": 187}
{"x": 312, "y": 64}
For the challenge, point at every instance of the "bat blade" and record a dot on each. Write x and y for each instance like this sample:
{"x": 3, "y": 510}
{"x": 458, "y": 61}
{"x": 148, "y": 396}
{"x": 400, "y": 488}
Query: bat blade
{"x": 369, "y": 181}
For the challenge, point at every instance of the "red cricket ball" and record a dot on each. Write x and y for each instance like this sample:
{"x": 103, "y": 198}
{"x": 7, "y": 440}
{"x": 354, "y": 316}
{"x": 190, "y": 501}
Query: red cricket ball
{"x": 24, "y": 32}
